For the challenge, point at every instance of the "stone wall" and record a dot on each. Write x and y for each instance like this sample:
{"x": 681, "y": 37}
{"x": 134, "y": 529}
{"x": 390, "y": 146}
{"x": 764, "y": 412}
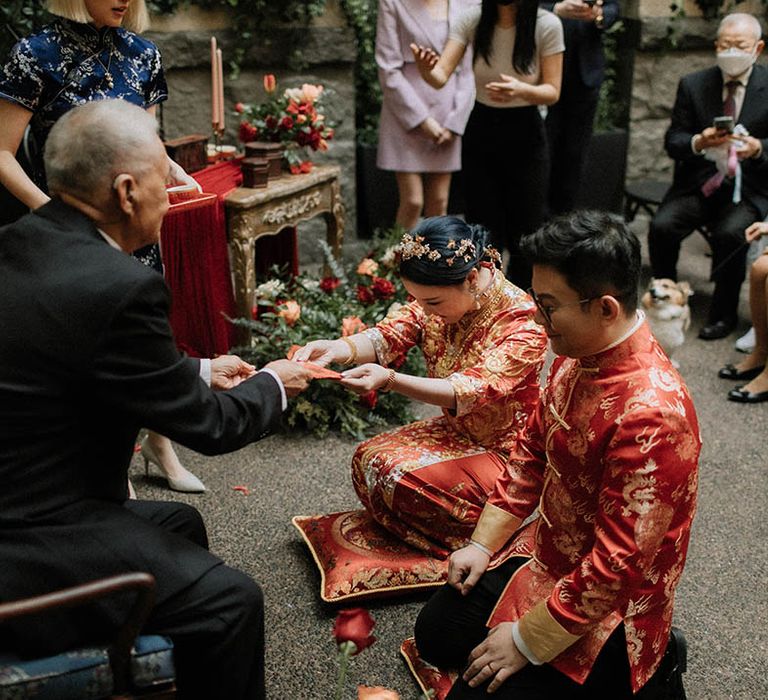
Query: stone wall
{"x": 323, "y": 53}
{"x": 658, "y": 68}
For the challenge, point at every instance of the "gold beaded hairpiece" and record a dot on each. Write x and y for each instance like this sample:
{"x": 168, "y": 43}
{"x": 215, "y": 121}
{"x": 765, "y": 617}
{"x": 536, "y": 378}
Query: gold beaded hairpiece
{"x": 415, "y": 247}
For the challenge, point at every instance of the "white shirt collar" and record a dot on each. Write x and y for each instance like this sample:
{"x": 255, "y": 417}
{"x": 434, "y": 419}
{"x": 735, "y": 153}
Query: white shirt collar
{"x": 109, "y": 240}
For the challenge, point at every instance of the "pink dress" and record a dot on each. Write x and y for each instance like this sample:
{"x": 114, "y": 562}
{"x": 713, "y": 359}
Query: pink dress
{"x": 408, "y": 100}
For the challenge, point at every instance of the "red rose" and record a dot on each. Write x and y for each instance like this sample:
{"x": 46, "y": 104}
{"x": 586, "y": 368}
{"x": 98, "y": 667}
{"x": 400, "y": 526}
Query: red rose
{"x": 365, "y": 294}
{"x": 295, "y": 169}
{"x": 286, "y": 123}
{"x": 382, "y": 288}
{"x": 328, "y": 284}
{"x": 239, "y": 107}
{"x": 247, "y": 132}
{"x": 271, "y": 122}
{"x": 369, "y": 399}
{"x": 354, "y": 625}
{"x": 306, "y": 166}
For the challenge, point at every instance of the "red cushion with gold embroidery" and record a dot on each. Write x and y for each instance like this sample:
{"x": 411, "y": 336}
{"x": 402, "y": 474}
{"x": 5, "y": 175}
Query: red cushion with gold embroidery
{"x": 358, "y": 558}
{"x": 429, "y": 677}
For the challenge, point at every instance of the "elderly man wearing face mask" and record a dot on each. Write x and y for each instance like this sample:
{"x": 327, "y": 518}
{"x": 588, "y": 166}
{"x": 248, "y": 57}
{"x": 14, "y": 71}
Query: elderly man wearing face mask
{"x": 718, "y": 138}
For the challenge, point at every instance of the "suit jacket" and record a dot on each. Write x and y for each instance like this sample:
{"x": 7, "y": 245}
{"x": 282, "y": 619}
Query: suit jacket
{"x": 87, "y": 358}
{"x": 610, "y": 460}
{"x": 699, "y": 100}
{"x": 584, "y": 59}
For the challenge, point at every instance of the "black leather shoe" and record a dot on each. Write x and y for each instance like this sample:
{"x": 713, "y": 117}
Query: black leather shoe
{"x": 730, "y": 372}
{"x": 741, "y": 396}
{"x": 717, "y": 330}
{"x": 678, "y": 651}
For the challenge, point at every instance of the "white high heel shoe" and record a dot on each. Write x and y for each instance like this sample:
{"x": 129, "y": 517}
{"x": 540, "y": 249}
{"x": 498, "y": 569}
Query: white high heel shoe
{"x": 187, "y": 483}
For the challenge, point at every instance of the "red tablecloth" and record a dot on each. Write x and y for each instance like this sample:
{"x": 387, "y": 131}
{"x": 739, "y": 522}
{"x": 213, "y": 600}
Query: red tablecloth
{"x": 196, "y": 259}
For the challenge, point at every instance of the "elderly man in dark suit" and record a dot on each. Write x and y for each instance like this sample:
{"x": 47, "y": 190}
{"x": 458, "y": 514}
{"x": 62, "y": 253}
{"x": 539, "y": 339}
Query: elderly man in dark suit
{"x": 701, "y": 194}
{"x": 86, "y": 358}
{"x": 570, "y": 120}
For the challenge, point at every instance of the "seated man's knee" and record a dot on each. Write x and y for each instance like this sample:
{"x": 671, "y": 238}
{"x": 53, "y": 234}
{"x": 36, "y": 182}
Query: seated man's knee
{"x": 185, "y": 520}
{"x": 433, "y": 639}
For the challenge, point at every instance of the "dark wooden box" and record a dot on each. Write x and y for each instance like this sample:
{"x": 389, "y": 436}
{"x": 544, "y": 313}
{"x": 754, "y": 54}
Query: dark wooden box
{"x": 190, "y": 152}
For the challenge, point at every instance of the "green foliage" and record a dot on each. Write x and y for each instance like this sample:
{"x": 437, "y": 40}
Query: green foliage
{"x": 608, "y": 114}
{"x": 361, "y": 15}
{"x": 344, "y": 297}
{"x": 20, "y": 18}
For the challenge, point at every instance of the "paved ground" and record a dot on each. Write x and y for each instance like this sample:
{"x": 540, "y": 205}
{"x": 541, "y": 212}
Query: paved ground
{"x": 722, "y": 598}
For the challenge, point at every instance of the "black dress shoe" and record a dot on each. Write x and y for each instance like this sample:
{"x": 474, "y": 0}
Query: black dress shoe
{"x": 740, "y": 395}
{"x": 717, "y": 330}
{"x": 730, "y": 372}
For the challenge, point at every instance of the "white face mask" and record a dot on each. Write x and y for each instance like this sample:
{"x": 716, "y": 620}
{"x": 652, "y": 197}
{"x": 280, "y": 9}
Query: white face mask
{"x": 734, "y": 61}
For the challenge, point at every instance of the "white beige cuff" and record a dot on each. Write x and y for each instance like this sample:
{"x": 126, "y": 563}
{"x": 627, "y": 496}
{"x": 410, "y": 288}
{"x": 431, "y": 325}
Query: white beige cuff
{"x": 542, "y": 635}
{"x": 494, "y": 527}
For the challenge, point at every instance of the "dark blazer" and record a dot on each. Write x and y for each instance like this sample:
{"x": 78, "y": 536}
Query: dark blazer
{"x": 584, "y": 59}
{"x": 699, "y": 100}
{"x": 87, "y": 358}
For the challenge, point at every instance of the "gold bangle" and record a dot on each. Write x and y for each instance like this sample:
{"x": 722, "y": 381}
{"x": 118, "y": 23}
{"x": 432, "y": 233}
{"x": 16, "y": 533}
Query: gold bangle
{"x": 352, "y": 351}
{"x": 390, "y": 383}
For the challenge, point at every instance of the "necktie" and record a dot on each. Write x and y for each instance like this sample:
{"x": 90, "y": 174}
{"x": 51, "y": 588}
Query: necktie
{"x": 729, "y": 105}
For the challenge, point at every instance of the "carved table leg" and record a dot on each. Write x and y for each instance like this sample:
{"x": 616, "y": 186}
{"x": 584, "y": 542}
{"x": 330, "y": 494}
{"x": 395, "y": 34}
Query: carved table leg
{"x": 244, "y": 273}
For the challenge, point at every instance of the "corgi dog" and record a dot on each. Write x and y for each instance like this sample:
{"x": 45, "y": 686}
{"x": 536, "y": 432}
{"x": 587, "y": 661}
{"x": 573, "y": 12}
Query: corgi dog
{"x": 669, "y": 316}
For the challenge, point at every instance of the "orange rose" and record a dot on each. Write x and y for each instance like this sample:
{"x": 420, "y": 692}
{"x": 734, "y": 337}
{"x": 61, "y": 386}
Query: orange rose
{"x": 376, "y": 693}
{"x": 351, "y": 325}
{"x": 368, "y": 267}
{"x": 290, "y": 311}
{"x": 270, "y": 83}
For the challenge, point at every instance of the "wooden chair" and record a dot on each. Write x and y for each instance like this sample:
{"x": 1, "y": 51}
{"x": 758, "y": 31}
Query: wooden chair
{"x": 131, "y": 666}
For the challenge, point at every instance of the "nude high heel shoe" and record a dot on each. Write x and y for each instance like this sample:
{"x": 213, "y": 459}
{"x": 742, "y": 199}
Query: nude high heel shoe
{"x": 186, "y": 483}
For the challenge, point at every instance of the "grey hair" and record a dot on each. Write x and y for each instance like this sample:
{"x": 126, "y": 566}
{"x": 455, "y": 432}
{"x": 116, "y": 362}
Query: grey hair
{"x": 93, "y": 143}
{"x": 744, "y": 19}
{"x": 136, "y": 19}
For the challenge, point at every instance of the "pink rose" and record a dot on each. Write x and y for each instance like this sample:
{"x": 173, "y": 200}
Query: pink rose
{"x": 270, "y": 83}
{"x": 368, "y": 267}
{"x": 376, "y": 693}
{"x": 351, "y": 325}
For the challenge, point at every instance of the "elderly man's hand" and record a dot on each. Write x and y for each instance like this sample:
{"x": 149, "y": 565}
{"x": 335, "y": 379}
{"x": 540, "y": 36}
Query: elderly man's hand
{"x": 751, "y": 147}
{"x": 294, "y": 376}
{"x": 495, "y": 657}
{"x": 228, "y": 371}
{"x": 710, "y": 138}
{"x": 465, "y": 568}
{"x": 756, "y": 230}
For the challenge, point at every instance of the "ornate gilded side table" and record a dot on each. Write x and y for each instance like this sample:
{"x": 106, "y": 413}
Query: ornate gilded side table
{"x": 253, "y": 213}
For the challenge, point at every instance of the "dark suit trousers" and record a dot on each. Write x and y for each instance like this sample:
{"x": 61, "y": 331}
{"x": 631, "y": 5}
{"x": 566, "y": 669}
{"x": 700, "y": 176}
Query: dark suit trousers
{"x": 450, "y": 626}
{"x": 676, "y": 219}
{"x": 505, "y": 165}
{"x": 216, "y": 624}
{"x": 569, "y": 129}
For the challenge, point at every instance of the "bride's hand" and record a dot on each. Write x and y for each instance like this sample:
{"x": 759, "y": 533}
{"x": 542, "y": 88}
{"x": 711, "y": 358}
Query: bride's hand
{"x": 323, "y": 352}
{"x": 365, "y": 378}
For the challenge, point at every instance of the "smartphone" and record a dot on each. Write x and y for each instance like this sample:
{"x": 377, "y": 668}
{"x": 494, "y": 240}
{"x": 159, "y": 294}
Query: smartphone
{"x": 723, "y": 124}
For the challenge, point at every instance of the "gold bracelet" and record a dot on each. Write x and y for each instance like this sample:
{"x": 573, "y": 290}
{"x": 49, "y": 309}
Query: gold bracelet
{"x": 352, "y": 351}
{"x": 390, "y": 383}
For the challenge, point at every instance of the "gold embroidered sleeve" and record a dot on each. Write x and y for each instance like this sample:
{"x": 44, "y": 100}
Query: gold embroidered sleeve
{"x": 542, "y": 634}
{"x": 495, "y": 527}
{"x": 397, "y": 333}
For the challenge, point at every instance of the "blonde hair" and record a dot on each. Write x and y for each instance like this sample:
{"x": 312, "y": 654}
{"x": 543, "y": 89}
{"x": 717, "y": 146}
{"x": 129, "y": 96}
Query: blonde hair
{"x": 136, "y": 18}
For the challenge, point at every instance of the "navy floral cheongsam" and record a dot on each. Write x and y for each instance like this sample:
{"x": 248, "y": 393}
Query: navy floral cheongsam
{"x": 69, "y": 63}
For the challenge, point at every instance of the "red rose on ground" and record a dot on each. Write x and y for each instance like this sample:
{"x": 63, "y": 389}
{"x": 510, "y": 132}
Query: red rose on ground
{"x": 247, "y": 132}
{"x": 354, "y": 625}
{"x": 286, "y": 123}
{"x": 328, "y": 284}
{"x": 376, "y": 693}
{"x": 382, "y": 288}
{"x": 365, "y": 294}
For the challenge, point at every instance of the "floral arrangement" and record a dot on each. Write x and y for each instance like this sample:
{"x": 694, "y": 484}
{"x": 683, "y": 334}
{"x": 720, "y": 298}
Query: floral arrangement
{"x": 294, "y": 118}
{"x": 293, "y": 311}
